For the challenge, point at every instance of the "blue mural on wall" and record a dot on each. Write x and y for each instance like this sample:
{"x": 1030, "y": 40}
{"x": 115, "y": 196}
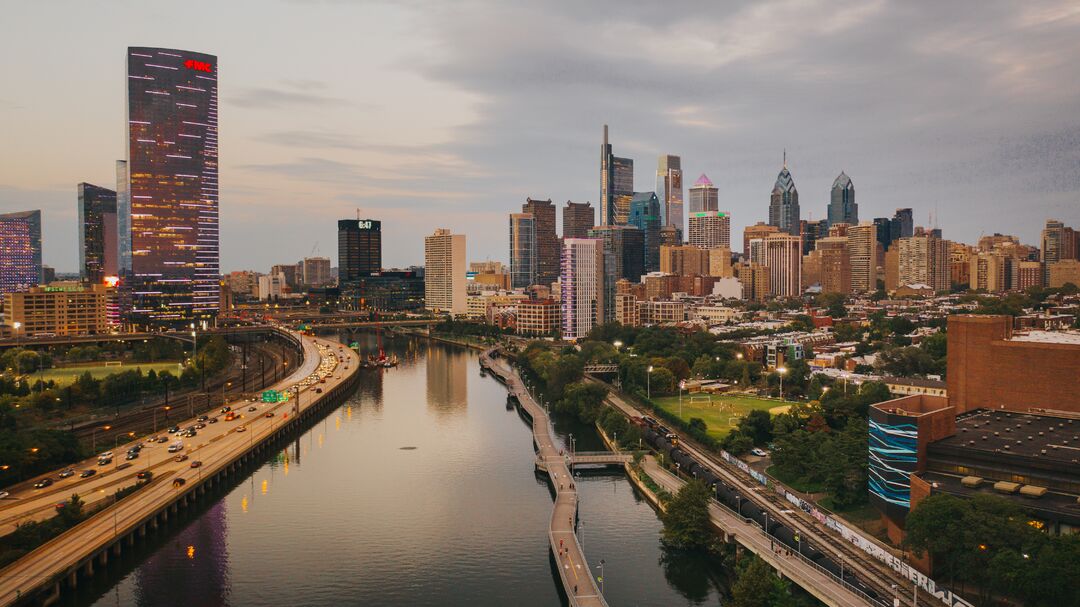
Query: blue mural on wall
{"x": 893, "y": 457}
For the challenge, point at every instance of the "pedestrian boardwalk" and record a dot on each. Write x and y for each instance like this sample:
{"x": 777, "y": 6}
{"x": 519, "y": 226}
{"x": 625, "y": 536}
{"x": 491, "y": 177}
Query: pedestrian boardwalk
{"x": 577, "y": 577}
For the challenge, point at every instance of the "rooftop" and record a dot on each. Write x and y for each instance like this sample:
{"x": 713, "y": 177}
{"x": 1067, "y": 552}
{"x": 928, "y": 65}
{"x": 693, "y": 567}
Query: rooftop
{"x": 1071, "y": 338}
{"x": 1046, "y": 437}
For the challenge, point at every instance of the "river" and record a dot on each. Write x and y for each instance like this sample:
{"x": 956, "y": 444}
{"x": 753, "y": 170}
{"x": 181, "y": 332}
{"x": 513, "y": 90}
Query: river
{"x": 419, "y": 490}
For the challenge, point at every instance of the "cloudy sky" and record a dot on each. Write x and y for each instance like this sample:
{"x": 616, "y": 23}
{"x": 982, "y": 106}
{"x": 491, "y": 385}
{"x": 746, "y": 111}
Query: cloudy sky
{"x": 450, "y": 114}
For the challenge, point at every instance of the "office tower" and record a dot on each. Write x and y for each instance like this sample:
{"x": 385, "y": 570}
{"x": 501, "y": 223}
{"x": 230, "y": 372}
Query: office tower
{"x": 547, "y": 240}
{"x": 720, "y": 262}
{"x": 316, "y": 271}
{"x": 960, "y": 263}
{"x": 20, "y": 251}
{"x": 754, "y": 279}
{"x": 523, "y": 250}
{"x": 616, "y": 185}
{"x": 670, "y": 236}
{"x": 1059, "y": 242}
{"x": 444, "y": 272}
{"x": 704, "y": 196}
{"x": 812, "y": 231}
{"x": 289, "y": 271}
{"x": 862, "y": 255}
{"x": 758, "y": 230}
{"x": 710, "y": 229}
{"x": 97, "y": 233}
{"x": 923, "y": 260}
{"x": 645, "y": 216}
{"x": 624, "y": 257}
{"x": 1029, "y": 274}
{"x": 670, "y": 191}
{"x": 577, "y": 218}
{"x": 784, "y": 203}
{"x": 359, "y": 249}
{"x": 902, "y": 225}
{"x": 581, "y": 285}
{"x": 883, "y": 226}
{"x": 169, "y": 257}
{"x": 684, "y": 260}
{"x": 835, "y": 265}
{"x": 990, "y": 272}
{"x": 842, "y": 207}
{"x": 783, "y": 257}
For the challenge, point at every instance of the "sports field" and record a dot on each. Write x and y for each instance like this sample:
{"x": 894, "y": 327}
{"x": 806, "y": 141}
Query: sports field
{"x": 66, "y": 375}
{"x": 720, "y": 412}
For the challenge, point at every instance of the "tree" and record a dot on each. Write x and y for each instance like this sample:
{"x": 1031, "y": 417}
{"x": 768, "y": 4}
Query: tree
{"x": 686, "y": 520}
{"x": 662, "y": 381}
{"x": 697, "y": 425}
{"x": 757, "y": 425}
{"x": 584, "y": 400}
{"x": 758, "y": 586}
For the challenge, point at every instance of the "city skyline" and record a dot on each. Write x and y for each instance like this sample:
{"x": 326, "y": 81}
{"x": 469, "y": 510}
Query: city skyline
{"x": 1007, "y": 152}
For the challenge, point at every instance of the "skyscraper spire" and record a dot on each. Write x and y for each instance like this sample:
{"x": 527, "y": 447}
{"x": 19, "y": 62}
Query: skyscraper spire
{"x": 785, "y": 158}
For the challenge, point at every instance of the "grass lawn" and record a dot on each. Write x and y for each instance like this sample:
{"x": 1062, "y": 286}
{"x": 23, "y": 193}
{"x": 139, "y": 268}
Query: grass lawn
{"x": 721, "y": 413}
{"x": 67, "y": 375}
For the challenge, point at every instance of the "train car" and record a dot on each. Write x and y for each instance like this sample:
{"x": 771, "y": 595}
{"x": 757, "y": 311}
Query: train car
{"x": 828, "y": 564}
{"x": 784, "y": 535}
{"x": 724, "y": 495}
{"x": 752, "y": 512}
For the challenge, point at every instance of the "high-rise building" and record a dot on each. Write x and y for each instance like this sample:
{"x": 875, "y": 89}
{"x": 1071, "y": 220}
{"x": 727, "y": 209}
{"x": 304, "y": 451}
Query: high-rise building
{"x": 581, "y": 284}
{"x": 547, "y": 240}
{"x": 684, "y": 260}
{"x": 720, "y": 262}
{"x": 756, "y": 231}
{"x": 645, "y": 216}
{"x": 359, "y": 249}
{"x": 812, "y": 231}
{"x": 624, "y": 257}
{"x": 990, "y": 272}
{"x": 98, "y": 247}
{"x": 923, "y": 260}
{"x": 710, "y": 229}
{"x": 1029, "y": 274}
{"x": 670, "y": 236}
{"x": 862, "y": 255}
{"x": 754, "y": 279}
{"x": 20, "y": 251}
{"x": 835, "y": 264}
{"x": 58, "y": 310}
{"x": 1059, "y": 242}
{"x": 883, "y": 225}
{"x": 842, "y": 207}
{"x": 616, "y": 185}
{"x": 960, "y": 264}
{"x": 783, "y": 257}
{"x": 169, "y": 259}
{"x": 316, "y": 271}
{"x": 784, "y": 203}
{"x": 523, "y": 250}
{"x": 669, "y": 189}
{"x": 444, "y": 272}
{"x": 704, "y": 196}
{"x": 902, "y": 225}
{"x": 577, "y": 218}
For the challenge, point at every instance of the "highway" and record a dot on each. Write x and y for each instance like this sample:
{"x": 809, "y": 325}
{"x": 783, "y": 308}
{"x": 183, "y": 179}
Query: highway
{"x": 574, "y": 570}
{"x": 217, "y": 446}
{"x": 876, "y": 574}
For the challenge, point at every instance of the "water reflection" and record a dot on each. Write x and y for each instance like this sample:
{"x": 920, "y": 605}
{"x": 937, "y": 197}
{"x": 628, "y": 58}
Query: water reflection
{"x": 695, "y": 576}
{"x": 198, "y": 552}
{"x": 447, "y": 378}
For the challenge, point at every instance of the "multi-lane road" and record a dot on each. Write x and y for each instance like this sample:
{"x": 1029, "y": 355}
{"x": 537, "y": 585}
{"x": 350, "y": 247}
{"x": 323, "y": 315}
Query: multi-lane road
{"x": 216, "y": 446}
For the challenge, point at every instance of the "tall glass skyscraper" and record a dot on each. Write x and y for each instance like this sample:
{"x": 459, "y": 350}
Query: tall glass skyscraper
{"x": 20, "y": 251}
{"x": 616, "y": 185}
{"x": 522, "y": 250}
{"x": 97, "y": 233}
{"x": 645, "y": 216}
{"x": 359, "y": 249}
{"x": 842, "y": 207}
{"x": 704, "y": 196}
{"x": 169, "y": 255}
{"x": 669, "y": 190}
{"x": 784, "y": 203}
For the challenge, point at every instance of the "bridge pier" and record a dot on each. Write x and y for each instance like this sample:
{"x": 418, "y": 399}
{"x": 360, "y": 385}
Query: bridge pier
{"x": 88, "y": 568}
{"x": 103, "y": 558}
{"x": 73, "y": 579}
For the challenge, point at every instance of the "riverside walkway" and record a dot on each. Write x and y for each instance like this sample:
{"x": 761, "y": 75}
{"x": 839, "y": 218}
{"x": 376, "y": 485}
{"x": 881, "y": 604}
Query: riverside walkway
{"x": 574, "y": 570}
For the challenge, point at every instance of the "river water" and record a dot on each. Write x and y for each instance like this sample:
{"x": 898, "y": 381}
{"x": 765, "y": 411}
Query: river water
{"x": 419, "y": 490}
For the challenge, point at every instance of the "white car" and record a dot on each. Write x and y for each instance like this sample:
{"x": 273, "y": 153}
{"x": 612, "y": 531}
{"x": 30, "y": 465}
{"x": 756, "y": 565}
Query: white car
{"x": 4, "y": 494}
{"x": 759, "y": 452}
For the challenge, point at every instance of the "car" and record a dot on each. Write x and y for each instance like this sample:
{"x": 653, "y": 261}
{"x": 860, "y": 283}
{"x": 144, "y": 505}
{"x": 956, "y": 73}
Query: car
{"x": 4, "y": 494}
{"x": 190, "y": 433}
{"x": 136, "y": 448}
{"x": 60, "y": 506}
{"x": 88, "y": 473}
{"x": 318, "y": 390}
{"x": 269, "y": 414}
{"x": 104, "y": 461}
{"x": 178, "y": 482}
{"x": 177, "y": 446}
{"x": 199, "y": 426}
{"x": 174, "y": 429}
{"x": 145, "y": 475}
{"x": 226, "y": 409}
{"x": 203, "y": 418}
{"x": 759, "y": 452}
{"x": 196, "y": 464}
{"x": 212, "y": 420}
{"x": 132, "y": 455}
{"x": 250, "y": 409}
{"x": 180, "y": 458}
{"x": 241, "y": 428}
{"x": 106, "y": 454}
{"x": 66, "y": 472}
{"x": 163, "y": 439}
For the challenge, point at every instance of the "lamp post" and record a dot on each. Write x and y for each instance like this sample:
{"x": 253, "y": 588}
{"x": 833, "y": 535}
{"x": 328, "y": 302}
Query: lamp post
{"x": 93, "y": 437}
{"x": 782, "y": 371}
{"x": 601, "y": 568}
{"x": 648, "y": 382}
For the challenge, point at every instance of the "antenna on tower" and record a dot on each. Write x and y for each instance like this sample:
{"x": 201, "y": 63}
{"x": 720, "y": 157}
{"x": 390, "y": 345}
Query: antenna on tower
{"x": 785, "y": 158}
{"x": 358, "y": 213}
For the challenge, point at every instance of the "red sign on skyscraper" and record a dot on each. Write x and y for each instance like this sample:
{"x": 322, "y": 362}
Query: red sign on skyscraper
{"x": 200, "y": 66}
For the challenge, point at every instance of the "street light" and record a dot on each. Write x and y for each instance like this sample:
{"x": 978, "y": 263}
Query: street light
{"x": 782, "y": 371}
{"x": 93, "y": 437}
{"x": 648, "y": 383}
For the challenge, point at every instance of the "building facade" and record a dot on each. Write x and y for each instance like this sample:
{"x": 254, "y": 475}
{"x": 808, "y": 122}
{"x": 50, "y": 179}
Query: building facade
{"x": 537, "y": 317}
{"x": 669, "y": 189}
{"x": 645, "y": 216}
{"x": 924, "y": 260}
{"x": 547, "y": 240}
{"x": 784, "y": 203}
{"x": 783, "y": 257}
{"x": 704, "y": 196}
{"x": 842, "y": 207}
{"x": 444, "y": 272}
{"x": 20, "y": 251}
{"x": 684, "y": 260}
{"x": 624, "y": 257}
{"x": 359, "y": 249}
{"x": 98, "y": 247}
{"x": 59, "y": 310}
{"x": 862, "y": 255}
{"x": 316, "y": 271}
{"x": 616, "y": 185}
{"x": 835, "y": 265}
{"x": 523, "y": 251}
{"x": 710, "y": 229}
{"x": 170, "y": 270}
{"x": 577, "y": 219}
{"x": 581, "y": 282}
{"x": 754, "y": 232}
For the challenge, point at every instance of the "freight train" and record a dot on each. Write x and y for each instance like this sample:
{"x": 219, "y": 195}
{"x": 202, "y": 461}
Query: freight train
{"x": 664, "y": 441}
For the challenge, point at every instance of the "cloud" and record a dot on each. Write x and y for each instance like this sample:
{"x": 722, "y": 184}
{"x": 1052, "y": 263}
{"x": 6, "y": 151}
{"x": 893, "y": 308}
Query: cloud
{"x": 265, "y": 98}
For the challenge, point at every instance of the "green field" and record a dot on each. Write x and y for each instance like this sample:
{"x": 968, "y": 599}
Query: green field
{"x": 66, "y": 375}
{"x": 720, "y": 414}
